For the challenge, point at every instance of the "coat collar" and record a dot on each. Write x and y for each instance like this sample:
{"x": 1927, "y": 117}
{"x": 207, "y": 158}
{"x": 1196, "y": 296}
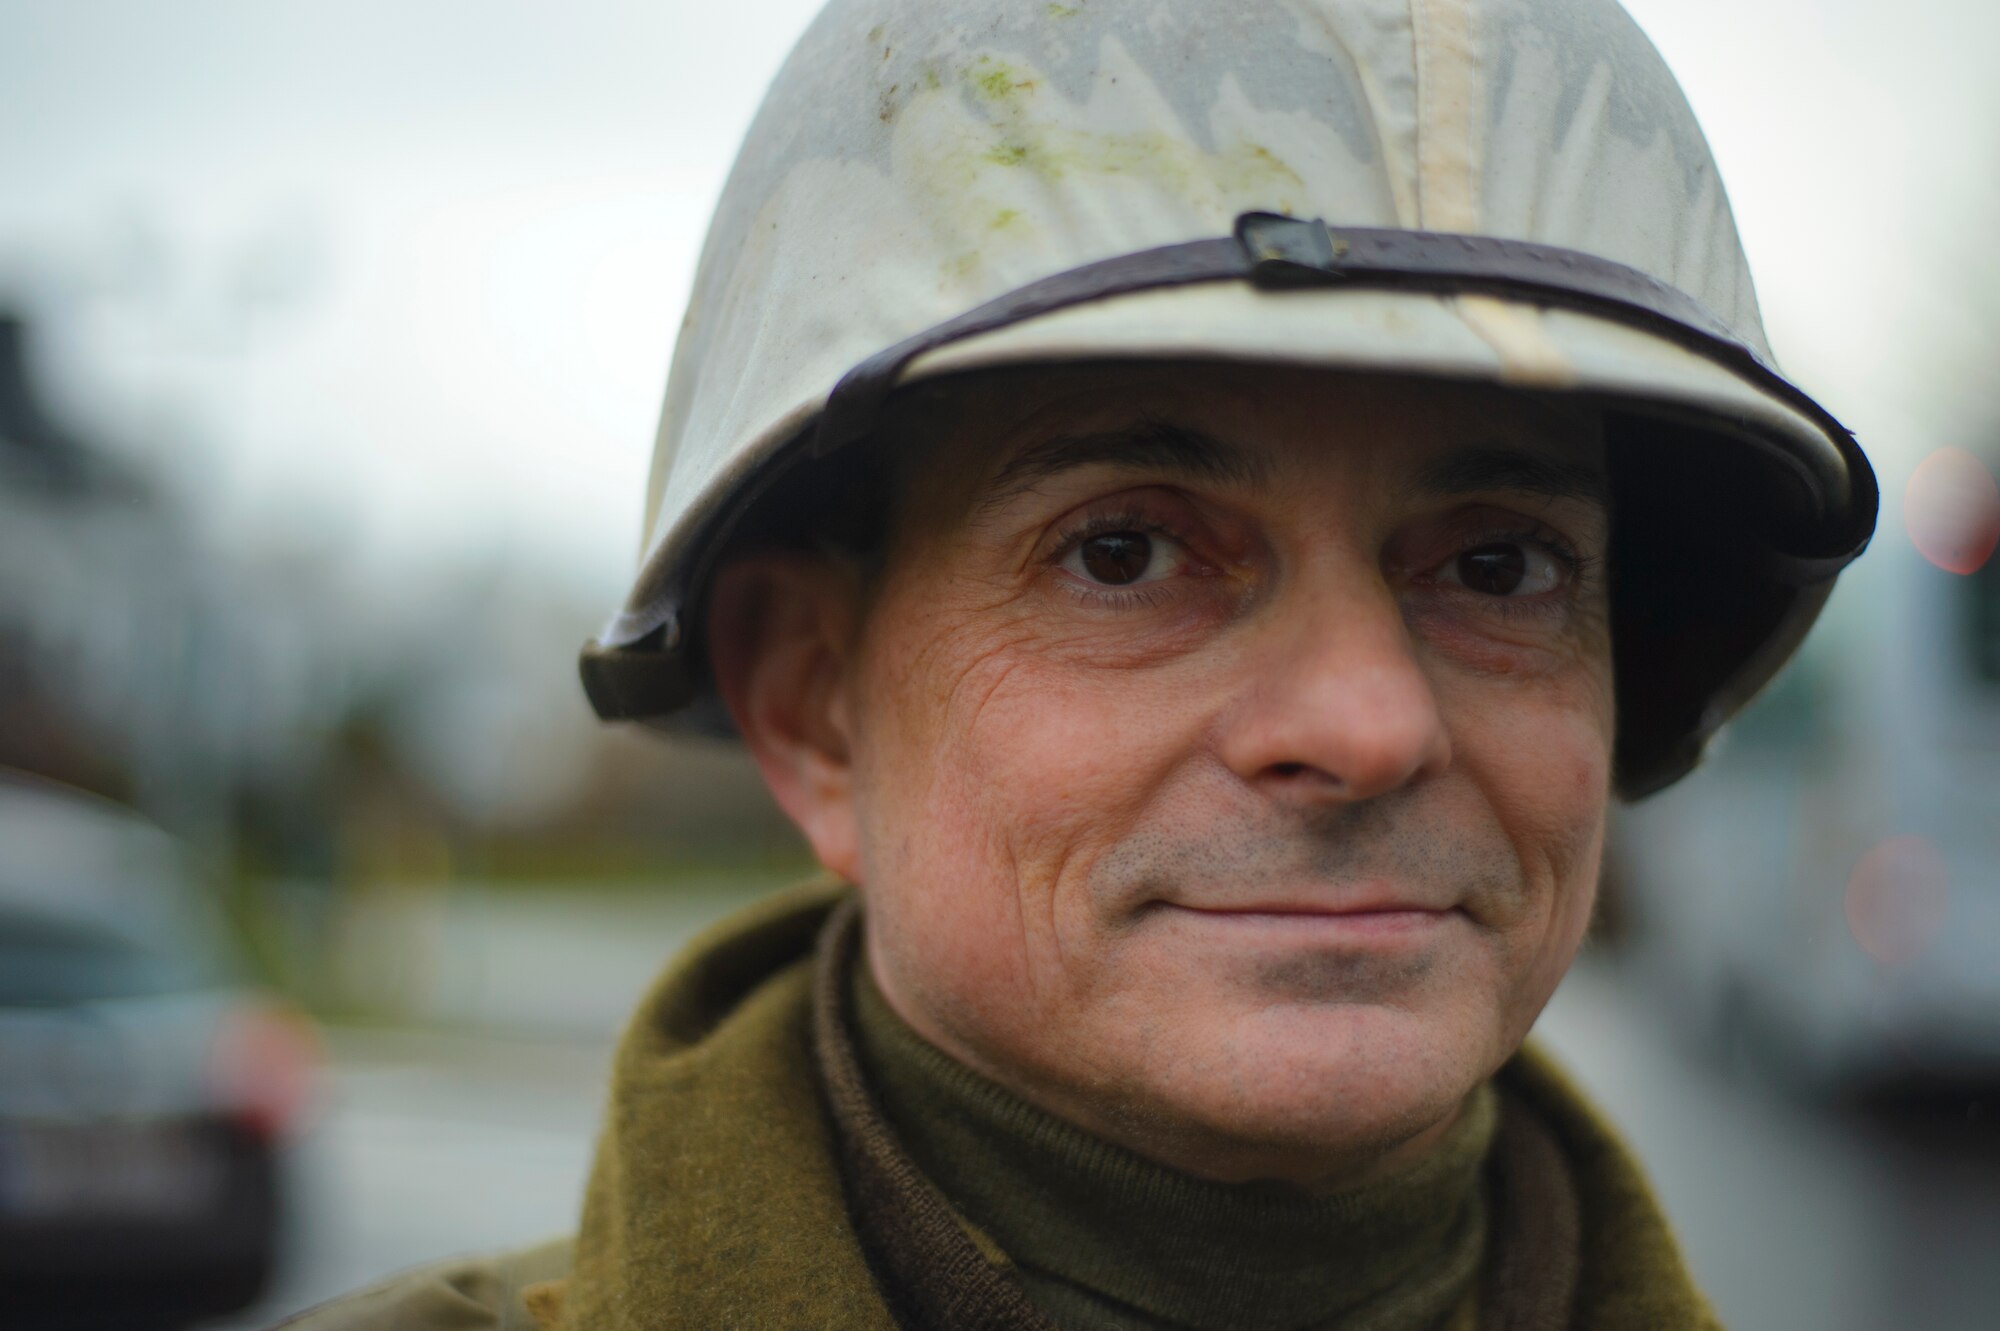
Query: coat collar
{"x": 716, "y": 1198}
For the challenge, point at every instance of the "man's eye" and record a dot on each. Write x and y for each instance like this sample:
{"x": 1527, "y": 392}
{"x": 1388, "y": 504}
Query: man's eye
{"x": 1506, "y": 568}
{"x": 1123, "y": 558}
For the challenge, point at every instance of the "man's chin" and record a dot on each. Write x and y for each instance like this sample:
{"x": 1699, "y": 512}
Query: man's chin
{"x": 1355, "y": 1081}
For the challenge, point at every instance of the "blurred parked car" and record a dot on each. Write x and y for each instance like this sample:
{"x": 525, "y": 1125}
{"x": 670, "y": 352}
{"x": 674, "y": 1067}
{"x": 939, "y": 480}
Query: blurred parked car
{"x": 143, "y": 1089}
{"x": 1823, "y": 898}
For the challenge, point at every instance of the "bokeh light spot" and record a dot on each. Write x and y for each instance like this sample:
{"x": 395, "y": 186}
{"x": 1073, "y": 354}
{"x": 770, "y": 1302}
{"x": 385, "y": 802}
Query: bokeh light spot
{"x": 1951, "y": 509}
{"x": 1897, "y": 899}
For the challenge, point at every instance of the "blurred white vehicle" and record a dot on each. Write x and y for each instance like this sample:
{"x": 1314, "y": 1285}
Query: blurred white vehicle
{"x": 143, "y": 1089}
{"x": 1824, "y": 895}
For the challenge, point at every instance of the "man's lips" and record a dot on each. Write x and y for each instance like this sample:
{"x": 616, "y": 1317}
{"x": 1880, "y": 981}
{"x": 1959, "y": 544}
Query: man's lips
{"x": 1338, "y": 909}
{"x": 1368, "y": 918}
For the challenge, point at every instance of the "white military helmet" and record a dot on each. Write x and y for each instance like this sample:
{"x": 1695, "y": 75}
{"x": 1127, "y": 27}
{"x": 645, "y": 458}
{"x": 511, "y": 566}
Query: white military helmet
{"x": 1509, "y": 191}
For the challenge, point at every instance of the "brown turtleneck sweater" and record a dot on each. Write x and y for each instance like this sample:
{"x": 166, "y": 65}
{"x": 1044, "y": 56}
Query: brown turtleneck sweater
{"x": 1102, "y": 1238}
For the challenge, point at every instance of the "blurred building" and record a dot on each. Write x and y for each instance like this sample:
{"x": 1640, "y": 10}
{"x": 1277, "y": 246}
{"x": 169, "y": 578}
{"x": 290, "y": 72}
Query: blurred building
{"x": 71, "y": 522}
{"x": 275, "y": 713}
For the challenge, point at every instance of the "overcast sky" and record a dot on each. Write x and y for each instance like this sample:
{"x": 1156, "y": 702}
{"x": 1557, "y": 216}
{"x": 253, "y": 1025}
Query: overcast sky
{"x": 406, "y": 274}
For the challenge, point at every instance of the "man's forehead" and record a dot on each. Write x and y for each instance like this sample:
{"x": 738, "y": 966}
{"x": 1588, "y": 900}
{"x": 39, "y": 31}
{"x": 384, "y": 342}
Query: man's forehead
{"x": 1147, "y": 444}
{"x": 1260, "y": 429}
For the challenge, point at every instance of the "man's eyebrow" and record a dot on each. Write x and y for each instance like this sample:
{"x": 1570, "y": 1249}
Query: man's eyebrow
{"x": 1483, "y": 470}
{"x": 1146, "y": 445}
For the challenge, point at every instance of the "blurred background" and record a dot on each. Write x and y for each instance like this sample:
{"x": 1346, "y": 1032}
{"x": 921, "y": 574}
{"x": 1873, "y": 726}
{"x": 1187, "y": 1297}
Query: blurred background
{"x": 331, "y": 339}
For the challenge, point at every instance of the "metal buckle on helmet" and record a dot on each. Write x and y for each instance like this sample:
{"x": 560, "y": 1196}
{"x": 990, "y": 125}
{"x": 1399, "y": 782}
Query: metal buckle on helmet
{"x": 1290, "y": 251}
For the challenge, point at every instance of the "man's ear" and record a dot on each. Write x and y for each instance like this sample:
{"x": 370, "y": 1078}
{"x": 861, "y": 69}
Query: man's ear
{"x": 781, "y": 634}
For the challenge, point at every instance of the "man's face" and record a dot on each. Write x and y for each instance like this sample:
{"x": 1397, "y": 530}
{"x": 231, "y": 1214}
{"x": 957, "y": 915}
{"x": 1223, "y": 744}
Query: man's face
{"x": 1228, "y": 751}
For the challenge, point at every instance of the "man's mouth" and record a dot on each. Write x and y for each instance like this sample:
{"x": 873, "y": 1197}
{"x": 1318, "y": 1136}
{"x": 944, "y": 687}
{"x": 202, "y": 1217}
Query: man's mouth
{"x": 1355, "y": 900}
{"x": 1305, "y": 914}
{"x": 1381, "y": 918}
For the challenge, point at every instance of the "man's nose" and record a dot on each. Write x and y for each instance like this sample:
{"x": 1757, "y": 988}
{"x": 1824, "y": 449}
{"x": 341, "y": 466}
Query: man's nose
{"x": 1337, "y": 706}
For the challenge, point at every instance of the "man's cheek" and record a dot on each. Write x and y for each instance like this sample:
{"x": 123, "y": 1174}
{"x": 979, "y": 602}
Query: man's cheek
{"x": 1038, "y": 775}
{"x": 1542, "y": 751}
{"x": 1016, "y": 717}
{"x": 1557, "y": 822}
{"x": 1541, "y": 757}
{"x": 1037, "y": 772}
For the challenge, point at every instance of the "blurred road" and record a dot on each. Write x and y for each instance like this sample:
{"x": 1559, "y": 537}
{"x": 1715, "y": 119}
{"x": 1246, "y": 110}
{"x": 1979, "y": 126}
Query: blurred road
{"x": 433, "y": 1145}
{"x": 1791, "y": 1217}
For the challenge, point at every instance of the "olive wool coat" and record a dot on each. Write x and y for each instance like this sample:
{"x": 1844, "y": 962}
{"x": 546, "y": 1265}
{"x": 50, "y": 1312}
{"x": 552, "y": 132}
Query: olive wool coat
{"x": 744, "y": 1179}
